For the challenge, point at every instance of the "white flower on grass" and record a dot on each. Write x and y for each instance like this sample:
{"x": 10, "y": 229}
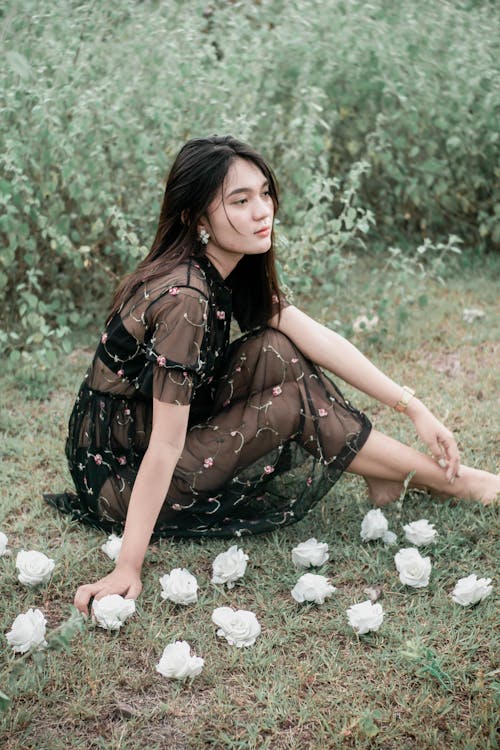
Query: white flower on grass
{"x": 28, "y": 631}
{"x": 365, "y": 617}
{"x": 414, "y": 570}
{"x": 364, "y": 323}
{"x": 111, "y": 611}
{"x": 180, "y": 586}
{"x": 239, "y": 627}
{"x": 420, "y": 532}
{"x": 312, "y": 588}
{"x": 374, "y": 525}
{"x": 178, "y": 663}
{"x": 34, "y": 567}
{"x": 310, "y": 553}
{"x": 471, "y": 590}
{"x": 229, "y": 566}
{"x": 3, "y": 544}
{"x": 389, "y": 537}
{"x": 470, "y": 314}
{"x": 112, "y": 547}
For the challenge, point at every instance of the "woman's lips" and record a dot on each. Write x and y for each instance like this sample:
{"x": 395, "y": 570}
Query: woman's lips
{"x": 264, "y": 232}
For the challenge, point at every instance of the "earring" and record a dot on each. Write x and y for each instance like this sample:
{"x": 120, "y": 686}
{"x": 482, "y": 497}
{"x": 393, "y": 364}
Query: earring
{"x": 203, "y": 236}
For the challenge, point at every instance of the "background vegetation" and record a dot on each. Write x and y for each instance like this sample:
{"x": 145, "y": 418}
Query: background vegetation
{"x": 372, "y": 113}
{"x": 379, "y": 119}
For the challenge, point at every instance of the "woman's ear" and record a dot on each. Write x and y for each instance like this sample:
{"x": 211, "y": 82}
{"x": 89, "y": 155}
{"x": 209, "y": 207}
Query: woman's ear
{"x": 185, "y": 217}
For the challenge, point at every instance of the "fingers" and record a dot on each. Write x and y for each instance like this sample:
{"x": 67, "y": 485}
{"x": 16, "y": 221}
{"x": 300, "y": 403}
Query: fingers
{"x": 447, "y": 456}
{"x": 103, "y": 587}
{"x": 134, "y": 591}
{"x": 83, "y": 596}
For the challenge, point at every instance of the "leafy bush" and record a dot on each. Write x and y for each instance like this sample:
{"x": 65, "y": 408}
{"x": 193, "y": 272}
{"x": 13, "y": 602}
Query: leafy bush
{"x": 379, "y": 112}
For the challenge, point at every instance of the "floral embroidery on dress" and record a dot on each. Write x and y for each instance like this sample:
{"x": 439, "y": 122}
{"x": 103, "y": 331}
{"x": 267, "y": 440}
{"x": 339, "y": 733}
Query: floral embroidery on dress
{"x": 249, "y": 458}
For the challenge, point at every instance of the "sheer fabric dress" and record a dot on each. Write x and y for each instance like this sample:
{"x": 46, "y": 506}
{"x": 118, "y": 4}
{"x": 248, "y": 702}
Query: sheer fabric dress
{"x": 269, "y": 433}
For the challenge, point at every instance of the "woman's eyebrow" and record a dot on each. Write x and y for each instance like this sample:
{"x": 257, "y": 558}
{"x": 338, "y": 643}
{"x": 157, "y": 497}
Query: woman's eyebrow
{"x": 246, "y": 189}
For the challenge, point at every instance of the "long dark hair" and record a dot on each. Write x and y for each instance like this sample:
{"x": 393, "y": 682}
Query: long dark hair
{"x": 197, "y": 174}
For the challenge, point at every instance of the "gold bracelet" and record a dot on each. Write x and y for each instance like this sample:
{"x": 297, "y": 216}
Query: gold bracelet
{"x": 405, "y": 399}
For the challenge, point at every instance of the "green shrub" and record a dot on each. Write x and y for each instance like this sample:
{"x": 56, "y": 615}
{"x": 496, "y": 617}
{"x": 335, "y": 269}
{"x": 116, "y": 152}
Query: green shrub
{"x": 382, "y": 112}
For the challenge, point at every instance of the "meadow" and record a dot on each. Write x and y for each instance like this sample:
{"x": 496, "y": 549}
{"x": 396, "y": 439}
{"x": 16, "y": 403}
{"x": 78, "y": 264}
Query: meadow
{"x": 427, "y": 679}
{"x": 380, "y": 120}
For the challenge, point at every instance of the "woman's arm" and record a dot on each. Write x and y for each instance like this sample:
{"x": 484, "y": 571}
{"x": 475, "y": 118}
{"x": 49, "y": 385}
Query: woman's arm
{"x": 333, "y": 352}
{"x": 148, "y": 495}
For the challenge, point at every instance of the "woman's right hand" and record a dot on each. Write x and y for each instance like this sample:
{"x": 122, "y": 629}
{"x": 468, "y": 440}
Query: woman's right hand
{"x": 124, "y": 580}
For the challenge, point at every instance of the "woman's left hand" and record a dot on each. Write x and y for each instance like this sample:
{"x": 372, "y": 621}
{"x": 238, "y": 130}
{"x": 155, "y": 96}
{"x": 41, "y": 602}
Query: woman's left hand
{"x": 437, "y": 437}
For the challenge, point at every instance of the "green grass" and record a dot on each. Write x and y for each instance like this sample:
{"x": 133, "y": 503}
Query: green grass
{"x": 428, "y": 679}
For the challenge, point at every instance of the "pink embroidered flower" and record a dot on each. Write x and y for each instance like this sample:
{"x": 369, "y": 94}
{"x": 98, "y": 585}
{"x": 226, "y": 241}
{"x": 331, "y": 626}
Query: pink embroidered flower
{"x": 221, "y": 314}
{"x": 212, "y": 499}
{"x": 176, "y": 506}
{"x": 294, "y": 360}
{"x": 268, "y": 469}
{"x": 226, "y": 403}
{"x": 122, "y": 460}
{"x": 322, "y": 412}
{"x": 161, "y": 361}
{"x": 104, "y": 338}
{"x": 309, "y": 481}
{"x": 184, "y": 374}
{"x": 126, "y": 412}
{"x": 208, "y": 462}
{"x": 275, "y": 298}
{"x": 98, "y": 459}
{"x": 237, "y": 369}
{"x": 174, "y": 291}
{"x": 120, "y": 373}
{"x": 277, "y": 390}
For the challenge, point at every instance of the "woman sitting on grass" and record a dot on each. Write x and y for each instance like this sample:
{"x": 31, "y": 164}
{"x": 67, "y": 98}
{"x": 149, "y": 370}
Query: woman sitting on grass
{"x": 177, "y": 432}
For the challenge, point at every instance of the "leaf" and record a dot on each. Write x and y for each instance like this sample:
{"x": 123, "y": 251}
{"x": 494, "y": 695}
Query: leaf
{"x": 367, "y": 726}
{"x": 18, "y": 64}
{"x": 4, "y": 701}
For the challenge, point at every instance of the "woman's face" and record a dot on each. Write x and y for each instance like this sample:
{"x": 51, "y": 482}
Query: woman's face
{"x": 239, "y": 221}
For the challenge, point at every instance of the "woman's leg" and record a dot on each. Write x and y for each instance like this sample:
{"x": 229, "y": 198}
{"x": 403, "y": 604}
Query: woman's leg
{"x": 386, "y": 462}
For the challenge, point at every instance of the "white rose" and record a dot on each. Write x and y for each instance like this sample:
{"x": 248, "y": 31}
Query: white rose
{"x": 179, "y": 586}
{"x": 178, "y": 663}
{"x": 420, "y": 532}
{"x": 312, "y": 588}
{"x": 229, "y": 566}
{"x": 364, "y": 323}
{"x": 471, "y": 590}
{"x": 28, "y": 631}
{"x": 111, "y": 611}
{"x": 374, "y": 525}
{"x": 365, "y": 616}
{"x": 239, "y": 627}
{"x": 414, "y": 570}
{"x": 112, "y": 547}
{"x": 3, "y": 543}
{"x": 309, "y": 553}
{"x": 34, "y": 567}
{"x": 389, "y": 537}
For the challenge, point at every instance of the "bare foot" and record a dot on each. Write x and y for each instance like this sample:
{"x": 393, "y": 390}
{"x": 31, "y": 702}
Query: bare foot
{"x": 475, "y": 484}
{"x": 382, "y": 491}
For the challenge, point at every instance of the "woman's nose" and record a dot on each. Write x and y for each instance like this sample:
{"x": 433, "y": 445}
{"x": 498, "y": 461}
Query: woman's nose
{"x": 263, "y": 209}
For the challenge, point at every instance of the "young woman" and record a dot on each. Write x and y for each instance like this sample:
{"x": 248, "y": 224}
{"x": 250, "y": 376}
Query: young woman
{"x": 178, "y": 432}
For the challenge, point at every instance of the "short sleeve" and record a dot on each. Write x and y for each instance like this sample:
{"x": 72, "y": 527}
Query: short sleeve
{"x": 177, "y": 321}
